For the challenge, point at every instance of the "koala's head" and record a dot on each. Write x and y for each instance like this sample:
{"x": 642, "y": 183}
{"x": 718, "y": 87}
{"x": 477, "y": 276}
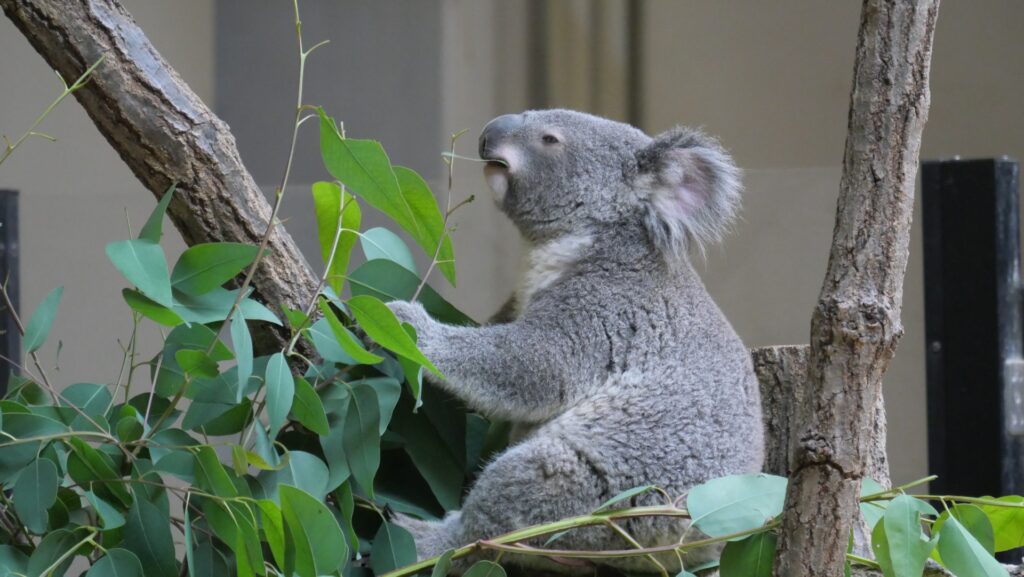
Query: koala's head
{"x": 558, "y": 172}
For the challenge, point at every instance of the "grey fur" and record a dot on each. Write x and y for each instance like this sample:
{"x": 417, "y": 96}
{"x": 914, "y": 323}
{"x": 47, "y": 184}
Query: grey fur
{"x": 618, "y": 370}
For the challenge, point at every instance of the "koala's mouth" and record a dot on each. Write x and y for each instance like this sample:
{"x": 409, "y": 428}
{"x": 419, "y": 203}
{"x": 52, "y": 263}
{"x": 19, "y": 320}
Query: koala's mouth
{"x": 496, "y": 173}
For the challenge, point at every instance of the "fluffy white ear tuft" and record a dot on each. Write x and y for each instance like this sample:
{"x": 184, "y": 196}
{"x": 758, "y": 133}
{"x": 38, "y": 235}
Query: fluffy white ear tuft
{"x": 692, "y": 190}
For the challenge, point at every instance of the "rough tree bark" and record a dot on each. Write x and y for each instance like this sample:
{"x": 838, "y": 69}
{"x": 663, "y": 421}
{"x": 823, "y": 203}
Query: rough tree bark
{"x": 165, "y": 134}
{"x": 823, "y": 405}
{"x": 856, "y": 324}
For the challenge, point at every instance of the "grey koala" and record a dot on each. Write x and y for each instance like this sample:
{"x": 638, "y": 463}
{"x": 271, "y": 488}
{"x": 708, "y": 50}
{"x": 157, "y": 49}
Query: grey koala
{"x": 611, "y": 360}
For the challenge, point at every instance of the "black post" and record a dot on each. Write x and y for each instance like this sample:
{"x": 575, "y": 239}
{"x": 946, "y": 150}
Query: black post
{"x": 10, "y": 340}
{"x": 973, "y": 326}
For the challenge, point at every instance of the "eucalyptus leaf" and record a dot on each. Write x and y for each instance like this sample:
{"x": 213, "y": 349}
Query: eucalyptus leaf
{"x": 346, "y": 340}
{"x": 389, "y": 282}
{"x": 308, "y": 409}
{"x": 117, "y": 563}
{"x": 319, "y": 546}
{"x": 152, "y": 231}
{"x": 751, "y": 557}
{"x": 905, "y": 548}
{"x": 147, "y": 534}
{"x": 242, "y": 341}
{"x": 1007, "y": 522}
{"x": 144, "y": 265}
{"x": 151, "y": 309}
{"x": 35, "y": 493}
{"x": 204, "y": 267}
{"x": 381, "y": 325}
{"x": 41, "y": 321}
{"x": 110, "y": 516}
{"x": 736, "y": 503}
{"x": 303, "y": 470}
{"x": 362, "y": 436}
{"x": 485, "y": 569}
{"x": 393, "y": 547}
{"x": 624, "y": 495}
{"x": 382, "y": 243}
{"x": 328, "y": 200}
{"x": 280, "y": 392}
{"x": 964, "y": 555}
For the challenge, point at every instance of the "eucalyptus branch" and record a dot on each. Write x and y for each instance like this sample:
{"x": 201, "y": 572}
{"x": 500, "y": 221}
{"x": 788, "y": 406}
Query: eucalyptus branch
{"x": 279, "y": 193}
{"x": 629, "y": 538}
{"x": 9, "y": 147}
{"x": 70, "y": 552}
{"x": 504, "y": 542}
{"x": 450, "y": 161}
{"x": 327, "y": 269}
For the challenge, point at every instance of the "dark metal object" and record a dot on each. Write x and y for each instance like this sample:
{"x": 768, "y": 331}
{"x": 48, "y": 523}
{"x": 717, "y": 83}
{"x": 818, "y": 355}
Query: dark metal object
{"x": 973, "y": 327}
{"x": 10, "y": 340}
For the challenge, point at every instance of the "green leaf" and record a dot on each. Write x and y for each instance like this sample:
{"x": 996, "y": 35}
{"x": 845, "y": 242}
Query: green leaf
{"x": 143, "y": 264}
{"x": 382, "y": 243}
{"x": 211, "y": 475}
{"x": 1007, "y": 523}
{"x": 204, "y": 267}
{"x": 38, "y": 327}
{"x": 333, "y": 445}
{"x": 327, "y": 345}
{"x": 265, "y": 456}
{"x": 280, "y": 392}
{"x": 347, "y": 505}
{"x": 303, "y": 470}
{"x": 751, "y": 557}
{"x": 627, "y": 494}
{"x": 974, "y": 520}
{"x": 381, "y": 325}
{"x": 433, "y": 459}
{"x": 196, "y": 363}
{"x": 91, "y": 468}
{"x": 35, "y": 493}
{"x": 389, "y": 282}
{"x": 423, "y": 204}
{"x": 485, "y": 569}
{"x": 327, "y": 202}
{"x": 393, "y": 547}
{"x": 147, "y": 533}
{"x": 388, "y": 392}
{"x": 444, "y": 564}
{"x": 346, "y": 340}
{"x": 736, "y": 503}
{"x": 111, "y": 517}
{"x": 963, "y": 554}
{"x": 363, "y": 166}
{"x": 872, "y": 510}
{"x": 273, "y": 529}
{"x": 54, "y": 546}
{"x": 308, "y": 409}
{"x": 362, "y": 436}
{"x": 12, "y": 561}
{"x": 93, "y": 399}
{"x": 898, "y": 541}
{"x": 319, "y": 544}
{"x": 150, "y": 309}
{"x": 215, "y": 305}
{"x": 153, "y": 229}
{"x": 117, "y": 563}
{"x": 242, "y": 341}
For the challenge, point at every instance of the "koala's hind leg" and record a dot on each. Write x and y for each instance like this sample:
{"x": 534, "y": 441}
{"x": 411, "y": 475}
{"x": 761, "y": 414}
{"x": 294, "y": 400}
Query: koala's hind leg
{"x": 538, "y": 481}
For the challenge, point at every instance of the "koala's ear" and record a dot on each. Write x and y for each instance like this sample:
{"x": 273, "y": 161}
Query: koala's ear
{"x": 691, "y": 188}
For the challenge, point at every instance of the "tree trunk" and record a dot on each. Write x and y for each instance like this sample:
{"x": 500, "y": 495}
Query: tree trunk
{"x": 856, "y": 324}
{"x": 165, "y": 134}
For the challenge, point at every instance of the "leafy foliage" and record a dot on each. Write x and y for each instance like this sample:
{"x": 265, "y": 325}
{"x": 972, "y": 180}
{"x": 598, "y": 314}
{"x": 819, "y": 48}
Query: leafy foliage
{"x": 234, "y": 460}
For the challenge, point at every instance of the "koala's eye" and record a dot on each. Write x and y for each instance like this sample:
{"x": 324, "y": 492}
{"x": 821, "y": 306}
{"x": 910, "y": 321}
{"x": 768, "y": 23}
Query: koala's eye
{"x": 550, "y": 139}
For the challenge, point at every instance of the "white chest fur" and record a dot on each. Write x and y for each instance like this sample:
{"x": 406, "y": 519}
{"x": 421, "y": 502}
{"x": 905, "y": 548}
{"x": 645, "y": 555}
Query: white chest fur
{"x": 543, "y": 264}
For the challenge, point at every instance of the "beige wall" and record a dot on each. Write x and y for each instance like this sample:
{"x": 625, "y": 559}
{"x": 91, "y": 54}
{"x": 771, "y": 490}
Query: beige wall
{"x": 771, "y": 79}
{"x": 74, "y": 192}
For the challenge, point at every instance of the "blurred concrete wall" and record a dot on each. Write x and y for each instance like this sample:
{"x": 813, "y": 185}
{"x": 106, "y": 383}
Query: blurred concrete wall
{"x": 771, "y": 79}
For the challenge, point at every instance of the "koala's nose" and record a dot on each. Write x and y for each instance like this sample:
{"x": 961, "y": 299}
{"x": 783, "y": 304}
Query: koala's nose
{"x": 496, "y": 130}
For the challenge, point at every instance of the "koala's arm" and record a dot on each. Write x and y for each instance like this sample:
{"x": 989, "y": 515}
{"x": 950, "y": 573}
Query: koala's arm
{"x": 523, "y": 371}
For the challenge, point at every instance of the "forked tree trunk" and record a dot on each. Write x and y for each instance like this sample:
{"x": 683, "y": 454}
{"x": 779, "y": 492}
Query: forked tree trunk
{"x": 856, "y": 324}
{"x": 826, "y": 425}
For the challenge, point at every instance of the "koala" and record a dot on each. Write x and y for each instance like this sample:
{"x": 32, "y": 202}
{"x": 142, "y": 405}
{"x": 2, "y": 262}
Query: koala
{"x": 611, "y": 360}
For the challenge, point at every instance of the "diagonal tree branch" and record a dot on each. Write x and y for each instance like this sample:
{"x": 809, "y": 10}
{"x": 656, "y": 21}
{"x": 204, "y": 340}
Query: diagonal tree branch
{"x": 856, "y": 324}
{"x": 165, "y": 134}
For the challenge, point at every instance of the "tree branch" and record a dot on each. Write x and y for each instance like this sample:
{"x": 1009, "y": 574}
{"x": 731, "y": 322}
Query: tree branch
{"x": 165, "y": 134}
{"x": 856, "y": 324}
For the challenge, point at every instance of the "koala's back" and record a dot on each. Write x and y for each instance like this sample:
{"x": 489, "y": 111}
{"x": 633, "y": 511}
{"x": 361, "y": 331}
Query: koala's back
{"x": 673, "y": 400}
